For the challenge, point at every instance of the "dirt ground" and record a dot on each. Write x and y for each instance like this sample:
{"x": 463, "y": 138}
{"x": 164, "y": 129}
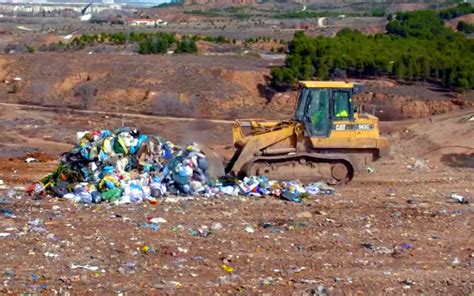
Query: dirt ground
{"x": 394, "y": 231}
{"x": 220, "y": 87}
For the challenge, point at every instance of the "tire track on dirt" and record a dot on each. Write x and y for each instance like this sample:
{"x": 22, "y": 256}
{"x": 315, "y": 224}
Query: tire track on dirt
{"x": 117, "y": 114}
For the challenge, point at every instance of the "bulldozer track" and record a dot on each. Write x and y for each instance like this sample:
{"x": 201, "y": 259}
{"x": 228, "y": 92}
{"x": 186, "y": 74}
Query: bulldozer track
{"x": 333, "y": 168}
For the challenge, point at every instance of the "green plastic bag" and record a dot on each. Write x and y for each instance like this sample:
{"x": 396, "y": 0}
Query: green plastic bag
{"x": 112, "y": 195}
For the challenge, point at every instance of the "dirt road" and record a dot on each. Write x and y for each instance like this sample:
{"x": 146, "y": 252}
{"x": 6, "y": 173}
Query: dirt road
{"x": 115, "y": 114}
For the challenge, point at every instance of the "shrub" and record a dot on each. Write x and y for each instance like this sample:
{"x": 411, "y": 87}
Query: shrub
{"x": 29, "y": 48}
{"x": 465, "y": 27}
{"x": 186, "y": 45}
{"x": 153, "y": 45}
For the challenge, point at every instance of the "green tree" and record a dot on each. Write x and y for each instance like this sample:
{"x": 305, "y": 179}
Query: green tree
{"x": 459, "y": 10}
{"x": 144, "y": 47}
{"x": 417, "y": 46}
{"x": 158, "y": 45}
{"x": 282, "y": 77}
{"x": 465, "y": 27}
{"x": 400, "y": 70}
{"x": 463, "y": 83}
{"x": 154, "y": 45}
{"x": 186, "y": 46}
{"x": 307, "y": 69}
{"x": 323, "y": 72}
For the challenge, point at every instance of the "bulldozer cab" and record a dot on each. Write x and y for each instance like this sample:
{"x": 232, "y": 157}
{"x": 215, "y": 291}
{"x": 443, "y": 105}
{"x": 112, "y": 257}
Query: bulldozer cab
{"x": 320, "y": 103}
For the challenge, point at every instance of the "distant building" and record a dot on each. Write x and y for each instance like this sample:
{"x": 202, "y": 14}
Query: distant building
{"x": 219, "y": 2}
{"x": 39, "y": 8}
{"x": 145, "y": 22}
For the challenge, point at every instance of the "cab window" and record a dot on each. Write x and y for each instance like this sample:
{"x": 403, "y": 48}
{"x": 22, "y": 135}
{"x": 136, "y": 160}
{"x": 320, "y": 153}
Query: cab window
{"x": 317, "y": 112}
{"x": 342, "y": 103}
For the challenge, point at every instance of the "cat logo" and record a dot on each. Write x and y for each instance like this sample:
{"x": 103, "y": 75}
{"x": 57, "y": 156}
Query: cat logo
{"x": 347, "y": 127}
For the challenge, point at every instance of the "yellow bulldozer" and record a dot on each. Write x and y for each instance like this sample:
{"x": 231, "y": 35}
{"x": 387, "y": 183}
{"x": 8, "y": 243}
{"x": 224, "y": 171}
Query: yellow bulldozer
{"x": 327, "y": 140}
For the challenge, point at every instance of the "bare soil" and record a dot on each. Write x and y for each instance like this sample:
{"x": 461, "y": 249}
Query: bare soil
{"x": 468, "y": 18}
{"x": 189, "y": 85}
{"x": 390, "y": 232}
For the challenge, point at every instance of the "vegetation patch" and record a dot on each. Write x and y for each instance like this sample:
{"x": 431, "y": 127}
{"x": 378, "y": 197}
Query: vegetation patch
{"x": 416, "y": 47}
{"x": 465, "y": 27}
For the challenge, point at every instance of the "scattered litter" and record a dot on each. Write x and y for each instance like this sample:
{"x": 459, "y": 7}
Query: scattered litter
{"x": 4, "y": 234}
{"x": 420, "y": 164}
{"x": 408, "y": 282}
{"x": 268, "y": 281}
{"x": 406, "y": 246}
{"x": 87, "y": 266}
{"x": 7, "y": 213}
{"x": 152, "y": 201}
{"x": 177, "y": 228}
{"x": 294, "y": 270}
{"x": 378, "y": 249}
{"x": 320, "y": 290}
{"x": 51, "y": 255}
{"x": 167, "y": 285}
{"x": 460, "y": 199}
{"x": 157, "y": 220}
{"x": 153, "y": 226}
{"x": 370, "y": 170}
{"x": 37, "y": 225}
{"x": 203, "y": 231}
{"x": 249, "y": 229}
{"x": 182, "y": 250}
{"x": 290, "y": 195}
{"x": 2, "y": 184}
{"x": 396, "y": 214}
{"x": 319, "y": 188}
{"x": 227, "y": 268}
{"x": 146, "y": 249}
{"x": 34, "y": 277}
{"x": 30, "y": 159}
{"x": 216, "y": 226}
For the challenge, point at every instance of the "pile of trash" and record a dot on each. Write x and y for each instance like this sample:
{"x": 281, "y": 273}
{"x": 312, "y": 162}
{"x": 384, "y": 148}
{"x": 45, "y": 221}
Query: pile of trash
{"x": 127, "y": 166}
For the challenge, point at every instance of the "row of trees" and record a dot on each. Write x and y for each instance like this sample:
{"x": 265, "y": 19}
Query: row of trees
{"x": 148, "y": 43}
{"x": 423, "y": 24}
{"x": 376, "y": 12}
{"x": 232, "y": 11}
{"x": 459, "y": 10}
{"x": 120, "y": 38}
{"x": 417, "y": 47}
{"x": 162, "y": 42}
